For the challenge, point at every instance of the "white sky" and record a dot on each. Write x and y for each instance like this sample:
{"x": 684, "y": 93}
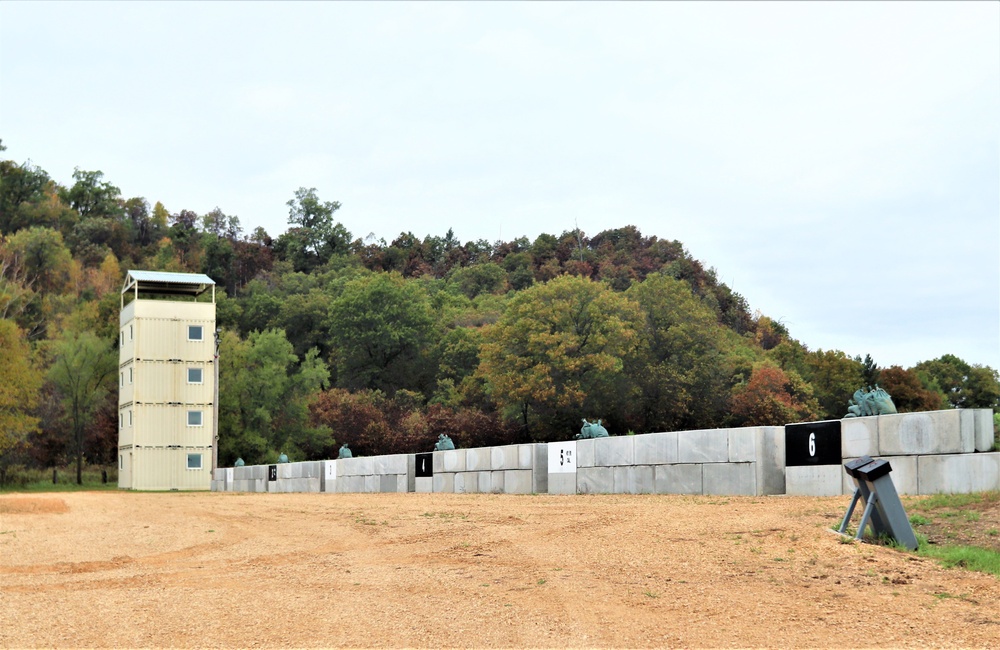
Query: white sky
{"x": 838, "y": 164}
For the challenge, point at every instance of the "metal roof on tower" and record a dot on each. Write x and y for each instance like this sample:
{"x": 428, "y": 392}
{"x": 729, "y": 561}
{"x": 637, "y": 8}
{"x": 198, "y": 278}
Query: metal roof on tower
{"x": 190, "y": 284}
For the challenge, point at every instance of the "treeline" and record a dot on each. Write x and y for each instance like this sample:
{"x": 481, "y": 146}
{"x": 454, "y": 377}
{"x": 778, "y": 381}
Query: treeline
{"x": 328, "y": 338}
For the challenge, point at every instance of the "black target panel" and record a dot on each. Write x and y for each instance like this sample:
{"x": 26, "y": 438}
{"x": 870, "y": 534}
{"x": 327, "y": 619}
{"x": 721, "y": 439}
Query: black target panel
{"x": 812, "y": 443}
{"x": 425, "y": 465}
{"x": 272, "y": 472}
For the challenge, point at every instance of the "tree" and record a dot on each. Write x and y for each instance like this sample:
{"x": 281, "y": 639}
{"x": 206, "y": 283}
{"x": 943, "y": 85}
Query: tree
{"x": 908, "y": 392}
{"x": 557, "y": 352}
{"x": 772, "y": 397}
{"x": 834, "y": 377}
{"x": 19, "y": 387}
{"x": 380, "y": 327}
{"x": 264, "y": 393}
{"x": 964, "y": 385}
{"x": 680, "y": 370}
{"x": 91, "y": 196}
{"x": 315, "y": 236}
{"x": 43, "y": 256}
{"x": 82, "y": 372}
{"x": 870, "y": 372}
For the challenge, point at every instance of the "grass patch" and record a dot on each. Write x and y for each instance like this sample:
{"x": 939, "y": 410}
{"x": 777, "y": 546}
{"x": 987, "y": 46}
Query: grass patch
{"x": 919, "y": 520}
{"x": 21, "y": 479}
{"x": 965, "y": 557}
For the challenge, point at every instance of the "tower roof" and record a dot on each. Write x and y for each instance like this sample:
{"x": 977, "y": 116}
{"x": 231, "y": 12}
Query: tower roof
{"x": 187, "y": 284}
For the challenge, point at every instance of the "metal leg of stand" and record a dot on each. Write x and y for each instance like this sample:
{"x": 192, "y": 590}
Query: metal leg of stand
{"x": 850, "y": 510}
{"x": 872, "y": 498}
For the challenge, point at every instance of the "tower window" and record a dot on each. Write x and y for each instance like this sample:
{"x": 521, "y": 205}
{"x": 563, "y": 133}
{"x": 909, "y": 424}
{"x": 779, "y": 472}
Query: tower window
{"x": 194, "y": 375}
{"x": 195, "y": 333}
{"x": 194, "y": 418}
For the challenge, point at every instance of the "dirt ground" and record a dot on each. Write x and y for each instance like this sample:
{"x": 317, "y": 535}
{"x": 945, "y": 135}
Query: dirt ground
{"x": 122, "y": 569}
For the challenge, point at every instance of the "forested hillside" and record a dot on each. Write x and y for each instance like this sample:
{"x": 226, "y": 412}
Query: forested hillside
{"x": 330, "y": 338}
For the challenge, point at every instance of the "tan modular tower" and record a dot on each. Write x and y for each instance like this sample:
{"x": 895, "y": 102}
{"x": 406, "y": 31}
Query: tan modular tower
{"x": 166, "y": 381}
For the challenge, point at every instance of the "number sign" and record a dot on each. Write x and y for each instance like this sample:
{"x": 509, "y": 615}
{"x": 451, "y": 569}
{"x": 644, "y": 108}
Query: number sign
{"x": 425, "y": 465}
{"x": 812, "y": 443}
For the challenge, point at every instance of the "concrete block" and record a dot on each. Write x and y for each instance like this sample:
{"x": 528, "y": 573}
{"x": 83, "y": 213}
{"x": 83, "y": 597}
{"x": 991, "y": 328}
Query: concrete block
{"x": 526, "y": 455}
{"x": 917, "y": 434}
{"x": 475, "y": 482}
{"x": 539, "y": 469}
{"x": 386, "y": 482}
{"x": 504, "y": 457}
{"x": 363, "y": 466}
{"x": 465, "y": 482}
{"x": 444, "y": 483}
{"x": 219, "y": 474}
{"x": 484, "y": 480}
{"x": 496, "y": 483}
{"x": 403, "y": 483}
{"x": 478, "y": 460}
{"x": 859, "y": 437}
{"x": 562, "y": 483}
{"x": 258, "y": 471}
{"x": 393, "y": 464}
{"x": 259, "y": 484}
{"x": 730, "y": 478}
{"x": 655, "y": 448}
{"x": 423, "y": 484}
{"x": 452, "y": 460}
{"x": 614, "y": 451}
{"x": 814, "y": 480}
{"x": 958, "y": 474}
{"x": 744, "y": 444}
{"x": 984, "y": 429}
{"x": 517, "y": 481}
{"x": 678, "y": 479}
{"x": 967, "y": 421}
{"x": 328, "y": 476}
{"x": 708, "y": 446}
{"x": 371, "y": 484}
{"x": 634, "y": 480}
{"x": 411, "y": 472}
{"x": 771, "y": 461}
{"x": 585, "y": 453}
{"x": 595, "y": 480}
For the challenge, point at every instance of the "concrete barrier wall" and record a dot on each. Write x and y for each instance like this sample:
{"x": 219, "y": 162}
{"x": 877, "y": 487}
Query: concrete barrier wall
{"x": 939, "y": 451}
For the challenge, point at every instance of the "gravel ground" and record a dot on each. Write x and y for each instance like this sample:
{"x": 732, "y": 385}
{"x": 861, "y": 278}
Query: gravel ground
{"x": 120, "y": 569}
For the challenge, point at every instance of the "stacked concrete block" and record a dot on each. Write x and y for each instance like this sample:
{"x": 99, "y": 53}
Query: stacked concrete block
{"x": 983, "y": 425}
{"x": 958, "y": 474}
{"x": 929, "y": 433}
{"x": 595, "y": 480}
{"x": 655, "y": 448}
{"x": 859, "y": 437}
{"x": 730, "y": 478}
{"x": 814, "y": 480}
{"x": 634, "y": 480}
{"x": 771, "y": 460}
{"x": 678, "y": 479}
{"x": 707, "y": 446}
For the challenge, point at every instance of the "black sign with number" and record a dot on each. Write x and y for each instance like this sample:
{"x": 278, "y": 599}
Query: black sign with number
{"x": 425, "y": 465}
{"x": 272, "y": 472}
{"x": 812, "y": 443}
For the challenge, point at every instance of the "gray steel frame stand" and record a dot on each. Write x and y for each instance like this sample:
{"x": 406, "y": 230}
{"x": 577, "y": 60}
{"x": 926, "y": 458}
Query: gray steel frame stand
{"x": 883, "y": 509}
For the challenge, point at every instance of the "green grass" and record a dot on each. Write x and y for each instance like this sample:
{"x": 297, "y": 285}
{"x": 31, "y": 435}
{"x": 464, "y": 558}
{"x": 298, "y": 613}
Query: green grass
{"x": 947, "y": 501}
{"x": 966, "y": 557}
{"x": 919, "y": 520}
{"x": 20, "y": 479}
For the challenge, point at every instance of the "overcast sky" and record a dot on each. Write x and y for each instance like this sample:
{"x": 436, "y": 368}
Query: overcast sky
{"x": 837, "y": 164}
